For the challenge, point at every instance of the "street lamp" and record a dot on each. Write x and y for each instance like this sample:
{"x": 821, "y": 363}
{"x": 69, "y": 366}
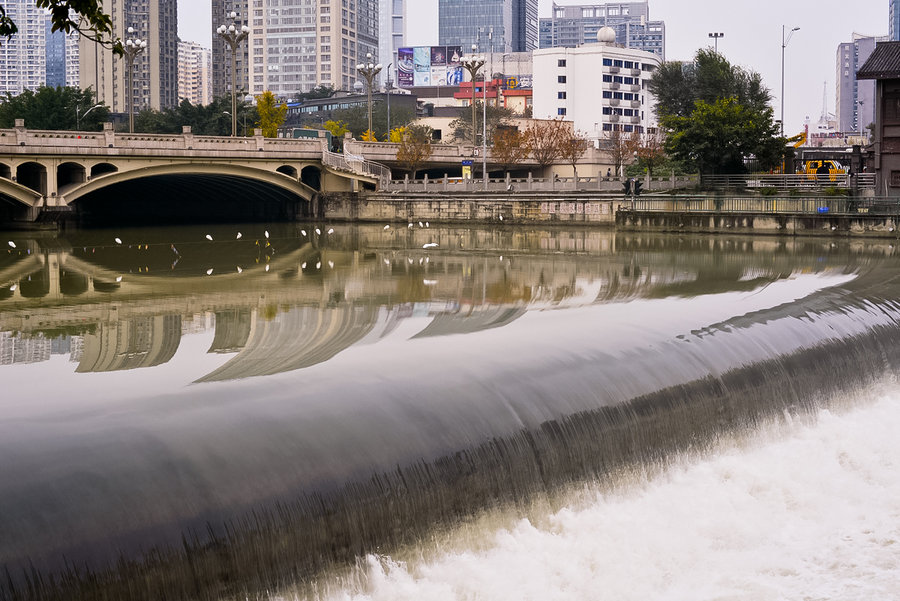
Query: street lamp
{"x": 79, "y": 116}
{"x": 859, "y": 119}
{"x": 472, "y": 64}
{"x": 716, "y": 36}
{"x": 369, "y": 70}
{"x": 388, "y": 87}
{"x": 233, "y": 37}
{"x": 784, "y": 43}
{"x": 133, "y": 47}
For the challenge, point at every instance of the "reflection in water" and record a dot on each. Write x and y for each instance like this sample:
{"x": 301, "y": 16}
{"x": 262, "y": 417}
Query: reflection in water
{"x": 405, "y": 388}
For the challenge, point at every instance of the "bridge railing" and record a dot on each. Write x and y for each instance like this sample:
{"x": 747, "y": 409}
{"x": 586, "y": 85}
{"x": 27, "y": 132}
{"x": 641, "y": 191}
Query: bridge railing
{"x": 358, "y": 165}
{"x": 534, "y": 184}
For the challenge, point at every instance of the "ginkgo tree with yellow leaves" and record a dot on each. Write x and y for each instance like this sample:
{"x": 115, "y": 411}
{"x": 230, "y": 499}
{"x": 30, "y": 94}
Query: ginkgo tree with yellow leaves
{"x": 271, "y": 112}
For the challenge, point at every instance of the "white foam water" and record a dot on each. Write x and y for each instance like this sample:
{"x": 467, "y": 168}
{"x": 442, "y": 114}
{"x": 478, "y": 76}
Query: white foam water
{"x": 800, "y": 511}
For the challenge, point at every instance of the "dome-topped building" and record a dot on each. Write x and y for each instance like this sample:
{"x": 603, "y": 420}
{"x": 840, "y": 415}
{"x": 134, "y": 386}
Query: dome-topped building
{"x": 606, "y": 36}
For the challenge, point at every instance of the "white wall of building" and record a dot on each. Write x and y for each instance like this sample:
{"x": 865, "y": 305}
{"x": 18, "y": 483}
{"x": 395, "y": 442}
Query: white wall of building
{"x": 23, "y": 57}
{"x": 569, "y": 84}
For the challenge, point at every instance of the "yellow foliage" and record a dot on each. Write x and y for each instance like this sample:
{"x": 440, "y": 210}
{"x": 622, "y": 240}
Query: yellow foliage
{"x": 369, "y": 136}
{"x": 396, "y": 135}
{"x": 337, "y": 128}
{"x": 271, "y": 114}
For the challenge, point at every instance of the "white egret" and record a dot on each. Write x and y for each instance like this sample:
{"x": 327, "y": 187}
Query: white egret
{"x": 430, "y": 245}
{"x": 238, "y": 237}
{"x": 12, "y": 244}
{"x": 208, "y": 237}
{"x": 209, "y": 271}
{"x": 118, "y": 241}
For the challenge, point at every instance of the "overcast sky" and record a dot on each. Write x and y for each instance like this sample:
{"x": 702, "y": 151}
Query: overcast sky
{"x": 752, "y": 38}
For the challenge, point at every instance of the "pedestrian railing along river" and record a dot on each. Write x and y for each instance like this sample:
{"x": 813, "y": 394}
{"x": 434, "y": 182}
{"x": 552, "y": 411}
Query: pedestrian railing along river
{"x": 788, "y": 181}
{"x": 814, "y": 205}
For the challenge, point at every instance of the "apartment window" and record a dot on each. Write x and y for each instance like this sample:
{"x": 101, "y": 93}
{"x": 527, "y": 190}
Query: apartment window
{"x": 561, "y": 62}
{"x": 607, "y": 62}
{"x": 561, "y": 111}
{"x": 561, "y": 79}
{"x": 561, "y": 95}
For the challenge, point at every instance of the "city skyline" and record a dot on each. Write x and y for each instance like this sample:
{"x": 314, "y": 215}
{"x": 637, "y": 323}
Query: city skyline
{"x": 756, "y": 44}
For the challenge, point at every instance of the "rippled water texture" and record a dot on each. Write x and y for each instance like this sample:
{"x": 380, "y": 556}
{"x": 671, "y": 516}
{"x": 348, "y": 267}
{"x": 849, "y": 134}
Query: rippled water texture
{"x": 191, "y": 413}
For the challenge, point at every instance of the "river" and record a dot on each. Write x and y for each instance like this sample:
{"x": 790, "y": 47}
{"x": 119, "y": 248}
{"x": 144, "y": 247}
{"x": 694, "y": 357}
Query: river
{"x": 413, "y": 412}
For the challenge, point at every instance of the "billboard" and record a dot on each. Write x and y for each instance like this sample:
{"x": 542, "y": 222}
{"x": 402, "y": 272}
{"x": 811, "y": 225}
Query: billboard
{"x": 429, "y": 66}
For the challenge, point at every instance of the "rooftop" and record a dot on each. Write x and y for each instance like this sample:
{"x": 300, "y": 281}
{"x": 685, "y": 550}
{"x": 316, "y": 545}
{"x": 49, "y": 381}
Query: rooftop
{"x": 883, "y": 63}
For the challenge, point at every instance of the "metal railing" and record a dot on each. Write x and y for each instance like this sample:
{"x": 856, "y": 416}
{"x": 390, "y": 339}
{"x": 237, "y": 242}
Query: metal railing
{"x": 788, "y": 181}
{"x": 811, "y": 205}
{"x": 358, "y": 165}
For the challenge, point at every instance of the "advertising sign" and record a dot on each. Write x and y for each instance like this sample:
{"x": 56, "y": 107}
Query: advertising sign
{"x": 405, "y": 77}
{"x": 422, "y": 66}
{"x": 438, "y": 65}
{"x": 429, "y": 66}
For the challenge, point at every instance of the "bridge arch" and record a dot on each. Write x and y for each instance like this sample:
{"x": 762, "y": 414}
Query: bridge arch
{"x": 70, "y": 173}
{"x": 33, "y": 176}
{"x": 288, "y": 170}
{"x": 312, "y": 177}
{"x": 191, "y": 192}
{"x": 5, "y": 171}
{"x": 103, "y": 169}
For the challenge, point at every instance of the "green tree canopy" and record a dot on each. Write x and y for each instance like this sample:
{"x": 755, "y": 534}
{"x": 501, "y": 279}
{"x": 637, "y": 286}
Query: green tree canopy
{"x": 716, "y": 115}
{"x": 53, "y": 108}
{"x": 213, "y": 119}
{"x": 716, "y": 137}
{"x": 678, "y": 86}
{"x": 84, "y": 16}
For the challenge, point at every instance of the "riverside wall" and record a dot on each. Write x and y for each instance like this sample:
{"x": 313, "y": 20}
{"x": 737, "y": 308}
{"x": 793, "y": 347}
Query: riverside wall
{"x": 784, "y": 224}
{"x": 487, "y": 207}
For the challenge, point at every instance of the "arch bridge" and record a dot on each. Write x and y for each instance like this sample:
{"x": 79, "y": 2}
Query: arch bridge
{"x": 106, "y": 175}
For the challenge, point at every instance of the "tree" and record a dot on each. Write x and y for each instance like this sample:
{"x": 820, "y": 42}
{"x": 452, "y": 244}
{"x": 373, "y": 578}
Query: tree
{"x": 84, "y": 16}
{"x": 497, "y": 116}
{"x": 717, "y": 137}
{"x": 206, "y": 120}
{"x": 716, "y": 115}
{"x": 678, "y": 86}
{"x": 545, "y": 139}
{"x": 357, "y": 118}
{"x": 648, "y": 149}
{"x": 317, "y": 92}
{"x": 572, "y": 149}
{"x": 396, "y": 135}
{"x": 415, "y": 147}
{"x": 271, "y": 114}
{"x": 369, "y": 136}
{"x": 618, "y": 146}
{"x": 53, "y": 108}
{"x": 510, "y": 147}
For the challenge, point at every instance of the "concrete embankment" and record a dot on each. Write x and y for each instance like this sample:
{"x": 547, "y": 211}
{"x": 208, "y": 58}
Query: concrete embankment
{"x": 473, "y": 207}
{"x": 782, "y": 224}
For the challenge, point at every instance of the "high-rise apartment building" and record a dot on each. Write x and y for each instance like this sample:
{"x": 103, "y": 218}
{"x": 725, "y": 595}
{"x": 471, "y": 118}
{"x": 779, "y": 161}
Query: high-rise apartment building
{"x": 194, "y": 73}
{"x": 855, "y": 105}
{"x": 155, "y": 70}
{"x": 391, "y": 35}
{"x": 571, "y": 26}
{"x": 507, "y": 25}
{"x": 894, "y": 20}
{"x": 23, "y": 64}
{"x": 62, "y": 58}
{"x": 221, "y": 52}
{"x": 296, "y": 45}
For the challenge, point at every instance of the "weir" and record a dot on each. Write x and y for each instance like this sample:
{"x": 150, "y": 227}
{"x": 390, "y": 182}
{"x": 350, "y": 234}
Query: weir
{"x": 229, "y": 488}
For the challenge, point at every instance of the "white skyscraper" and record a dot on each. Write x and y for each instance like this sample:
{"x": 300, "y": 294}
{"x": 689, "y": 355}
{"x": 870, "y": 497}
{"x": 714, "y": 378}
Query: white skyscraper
{"x": 23, "y": 58}
{"x": 194, "y": 73}
{"x": 391, "y": 35}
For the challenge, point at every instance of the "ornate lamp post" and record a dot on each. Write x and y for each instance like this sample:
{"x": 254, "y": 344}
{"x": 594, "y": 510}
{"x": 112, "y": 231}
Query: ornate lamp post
{"x": 473, "y": 63}
{"x": 133, "y": 47}
{"x": 233, "y": 37}
{"x": 368, "y": 70}
{"x": 388, "y": 87}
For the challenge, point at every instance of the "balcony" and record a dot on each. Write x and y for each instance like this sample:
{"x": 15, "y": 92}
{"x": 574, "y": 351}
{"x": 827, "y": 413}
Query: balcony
{"x": 614, "y": 85}
{"x": 635, "y": 88}
{"x": 635, "y": 104}
{"x": 614, "y": 102}
{"x": 635, "y": 119}
{"x": 613, "y": 69}
{"x": 635, "y": 72}
{"x": 613, "y": 118}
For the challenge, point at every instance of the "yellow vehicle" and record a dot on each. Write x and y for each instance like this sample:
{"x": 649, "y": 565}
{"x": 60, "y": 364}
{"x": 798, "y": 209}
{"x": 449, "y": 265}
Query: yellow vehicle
{"x": 820, "y": 168}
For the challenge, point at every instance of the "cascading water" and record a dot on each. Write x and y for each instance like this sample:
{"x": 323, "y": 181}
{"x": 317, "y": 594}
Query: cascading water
{"x": 354, "y": 409}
